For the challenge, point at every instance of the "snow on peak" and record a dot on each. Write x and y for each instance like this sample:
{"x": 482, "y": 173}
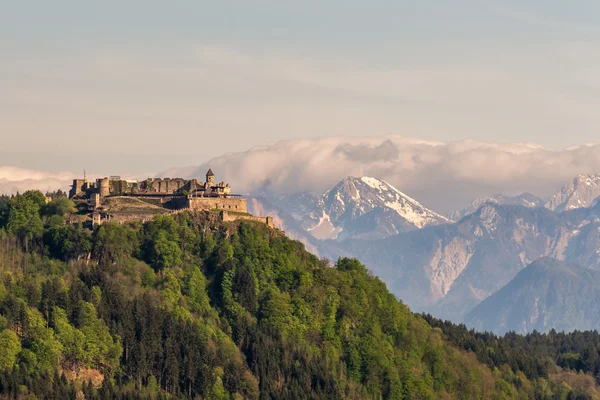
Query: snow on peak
{"x": 368, "y": 205}
{"x": 407, "y": 207}
{"x": 582, "y": 191}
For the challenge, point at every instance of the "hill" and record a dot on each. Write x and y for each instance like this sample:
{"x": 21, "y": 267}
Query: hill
{"x": 186, "y": 306}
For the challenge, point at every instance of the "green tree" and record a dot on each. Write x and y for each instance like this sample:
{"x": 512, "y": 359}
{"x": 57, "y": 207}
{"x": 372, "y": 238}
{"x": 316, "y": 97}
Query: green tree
{"x": 10, "y": 346}
{"x": 72, "y": 340}
{"x": 22, "y": 218}
{"x": 99, "y": 346}
{"x": 166, "y": 253}
{"x": 113, "y": 242}
{"x": 36, "y": 197}
{"x": 58, "y": 206}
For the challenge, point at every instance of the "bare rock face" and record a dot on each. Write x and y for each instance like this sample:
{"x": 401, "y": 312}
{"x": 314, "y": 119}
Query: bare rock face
{"x": 367, "y": 208}
{"x": 524, "y": 199}
{"x": 449, "y": 269}
{"x": 580, "y": 192}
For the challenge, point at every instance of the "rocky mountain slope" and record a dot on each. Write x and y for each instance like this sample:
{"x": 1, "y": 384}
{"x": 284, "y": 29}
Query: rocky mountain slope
{"x": 524, "y": 199}
{"x": 580, "y": 192}
{"x": 547, "y": 294}
{"x": 449, "y": 269}
{"x": 367, "y": 208}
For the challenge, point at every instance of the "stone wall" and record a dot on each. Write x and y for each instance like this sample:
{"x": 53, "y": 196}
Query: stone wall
{"x": 217, "y": 203}
{"x": 163, "y": 185}
{"x": 230, "y": 217}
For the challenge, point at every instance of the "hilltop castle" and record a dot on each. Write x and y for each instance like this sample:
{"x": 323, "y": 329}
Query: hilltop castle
{"x": 171, "y": 193}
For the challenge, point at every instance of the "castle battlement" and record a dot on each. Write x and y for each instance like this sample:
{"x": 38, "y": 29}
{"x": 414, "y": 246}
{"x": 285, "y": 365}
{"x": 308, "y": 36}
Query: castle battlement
{"x": 171, "y": 193}
{"x": 115, "y": 186}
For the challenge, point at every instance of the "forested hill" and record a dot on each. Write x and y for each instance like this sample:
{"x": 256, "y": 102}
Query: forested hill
{"x": 189, "y": 307}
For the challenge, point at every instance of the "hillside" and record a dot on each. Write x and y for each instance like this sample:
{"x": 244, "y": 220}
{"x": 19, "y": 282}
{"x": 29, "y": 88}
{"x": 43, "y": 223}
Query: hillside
{"x": 189, "y": 307}
{"x": 548, "y": 294}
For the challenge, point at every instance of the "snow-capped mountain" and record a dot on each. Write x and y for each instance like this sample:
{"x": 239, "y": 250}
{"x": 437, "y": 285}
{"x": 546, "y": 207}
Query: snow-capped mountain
{"x": 524, "y": 199}
{"x": 580, "y": 192}
{"x": 367, "y": 208}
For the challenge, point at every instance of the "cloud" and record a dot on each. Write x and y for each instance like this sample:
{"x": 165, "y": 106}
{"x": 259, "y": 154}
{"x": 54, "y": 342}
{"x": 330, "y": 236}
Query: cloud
{"x": 13, "y": 180}
{"x": 387, "y": 150}
{"x": 444, "y": 176}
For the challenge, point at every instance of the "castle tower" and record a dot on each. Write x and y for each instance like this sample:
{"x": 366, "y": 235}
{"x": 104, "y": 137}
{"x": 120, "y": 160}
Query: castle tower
{"x": 77, "y": 188}
{"x": 95, "y": 201}
{"x": 210, "y": 179}
{"x": 104, "y": 187}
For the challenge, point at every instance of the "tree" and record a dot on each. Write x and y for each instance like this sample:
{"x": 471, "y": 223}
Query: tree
{"x": 36, "y": 197}
{"x": 112, "y": 242}
{"x": 10, "y": 346}
{"x": 23, "y": 218}
{"x": 58, "y": 206}
{"x": 68, "y": 242}
{"x": 72, "y": 340}
{"x": 166, "y": 253}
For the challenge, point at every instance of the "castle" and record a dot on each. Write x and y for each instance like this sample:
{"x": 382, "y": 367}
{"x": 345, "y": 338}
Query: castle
{"x": 172, "y": 193}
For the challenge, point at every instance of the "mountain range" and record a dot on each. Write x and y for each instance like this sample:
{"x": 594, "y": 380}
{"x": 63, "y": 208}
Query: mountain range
{"x": 449, "y": 268}
{"x": 523, "y": 199}
{"x": 547, "y": 294}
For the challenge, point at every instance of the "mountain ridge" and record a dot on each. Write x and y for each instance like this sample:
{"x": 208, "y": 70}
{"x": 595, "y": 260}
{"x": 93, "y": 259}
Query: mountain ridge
{"x": 547, "y": 294}
{"x": 580, "y": 192}
{"x": 367, "y": 208}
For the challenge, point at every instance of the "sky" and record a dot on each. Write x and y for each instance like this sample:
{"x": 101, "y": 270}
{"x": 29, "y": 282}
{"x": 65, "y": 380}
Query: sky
{"x": 142, "y": 86}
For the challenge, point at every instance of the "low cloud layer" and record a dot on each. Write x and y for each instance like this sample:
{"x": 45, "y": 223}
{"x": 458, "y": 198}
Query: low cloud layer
{"x": 13, "y": 180}
{"x": 444, "y": 176}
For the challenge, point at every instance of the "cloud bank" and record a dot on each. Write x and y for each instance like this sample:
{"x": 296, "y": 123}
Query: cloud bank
{"x": 13, "y": 180}
{"x": 444, "y": 176}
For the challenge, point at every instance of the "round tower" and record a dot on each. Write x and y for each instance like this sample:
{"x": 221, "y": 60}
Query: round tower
{"x": 104, "y": 187}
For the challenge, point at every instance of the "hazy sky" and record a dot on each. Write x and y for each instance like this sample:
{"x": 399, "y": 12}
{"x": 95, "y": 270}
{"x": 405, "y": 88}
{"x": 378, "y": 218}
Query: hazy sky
{"x": 145, "y": 85}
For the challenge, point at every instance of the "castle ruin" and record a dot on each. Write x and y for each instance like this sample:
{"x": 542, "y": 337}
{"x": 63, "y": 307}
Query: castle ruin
{"x": 161, "y": 195}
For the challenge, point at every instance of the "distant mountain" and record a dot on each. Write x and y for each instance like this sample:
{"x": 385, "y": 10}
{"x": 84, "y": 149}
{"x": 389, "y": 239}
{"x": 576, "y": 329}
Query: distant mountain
{"x": 524, "y": 199}
{"x": 367, "y": 208}
{"x": 296, "y": 205}
{"x": 548, "y": 294}
{"x": 288, "y": 212}
{"x": 449, "y": 269}
{"x": 580, "y": 192}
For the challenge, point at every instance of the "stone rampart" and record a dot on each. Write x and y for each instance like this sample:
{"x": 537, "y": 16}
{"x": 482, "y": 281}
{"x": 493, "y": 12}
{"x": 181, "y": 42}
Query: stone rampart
{"x": 217, "y": 203}
{"x": 230, "y": 217}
